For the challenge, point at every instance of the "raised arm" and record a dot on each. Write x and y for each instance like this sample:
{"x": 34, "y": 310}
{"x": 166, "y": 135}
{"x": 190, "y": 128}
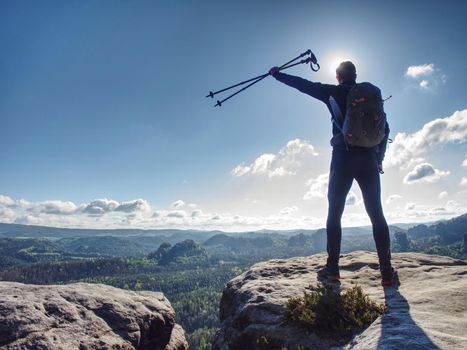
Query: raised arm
{"x": 319, "y": 91}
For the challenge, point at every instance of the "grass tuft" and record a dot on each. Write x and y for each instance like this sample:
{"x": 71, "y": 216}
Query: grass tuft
{"x": 333, "y": 314}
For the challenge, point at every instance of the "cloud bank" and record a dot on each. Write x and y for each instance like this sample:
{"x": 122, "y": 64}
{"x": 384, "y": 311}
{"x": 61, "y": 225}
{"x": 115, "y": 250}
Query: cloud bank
{"x": 285, "y": 162}
{"x": 140, "y": 214}
{"x": 409, "y": 148}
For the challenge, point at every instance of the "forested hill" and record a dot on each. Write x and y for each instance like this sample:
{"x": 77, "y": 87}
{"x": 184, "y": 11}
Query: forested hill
{"x": 443, "y": 238}
{"x": 444, "y": 232}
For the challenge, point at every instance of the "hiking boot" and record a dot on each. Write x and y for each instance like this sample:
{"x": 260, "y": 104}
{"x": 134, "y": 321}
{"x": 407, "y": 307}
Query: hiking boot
{"x": 388, "y": 276}
{"x": 329, "y": 273}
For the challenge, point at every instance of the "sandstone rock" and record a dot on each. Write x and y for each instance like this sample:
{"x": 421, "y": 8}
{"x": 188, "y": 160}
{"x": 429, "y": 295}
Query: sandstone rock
{"x": 85, "y": 316}
{"x": 427, "y": 311}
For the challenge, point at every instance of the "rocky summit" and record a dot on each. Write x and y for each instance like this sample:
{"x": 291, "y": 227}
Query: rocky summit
{"x": 426, "y": 310}
{"x": 85, "y": 316}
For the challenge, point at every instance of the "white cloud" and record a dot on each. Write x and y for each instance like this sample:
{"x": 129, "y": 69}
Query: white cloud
{"x": 427, "y": 76}
{"x": 424, "y": 84}
{"x": 158, "y": 213}
{"x": 410, "y": 206}
{"x": 288, "y": 210}
{"x": 286, "y": 162}
{"x": 100, "y": 206}
{"x": 240, "y": 170}
{"x": 203, "y": 220}
{"x": 178, "y": 204}
{"x": 463, "y": 181}
{"x": 29, "y": 220}
{"x": 409, "y": 148}
{"x": 103, "y": 206}
{"x": 421, "y": 70}
{"x": 196, "y": 213}
{"x": 6, "y": 201}
{"x": 55, "y": 207}
{"x": 464, "y": 163}
{"x": 318, "y": 187}
{"x": 11, "y": 203}
{"x": 136, "y": 205}
{"x": 393, "y": 198}
{"x": 179, "y": 214}
{"x": 425, "y": 213}
{"x": 22, "y": 203}
{"x": 442, "y": 194}
{"x": 424, "y": 173}
{"x": 351, "y": 199}
{"x": 7, "y": 215}
{"x": 450, "y": 205}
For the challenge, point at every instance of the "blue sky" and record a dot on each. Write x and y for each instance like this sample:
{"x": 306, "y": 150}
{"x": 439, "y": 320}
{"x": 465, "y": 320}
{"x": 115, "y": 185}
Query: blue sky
{"x": 105, "y": 100}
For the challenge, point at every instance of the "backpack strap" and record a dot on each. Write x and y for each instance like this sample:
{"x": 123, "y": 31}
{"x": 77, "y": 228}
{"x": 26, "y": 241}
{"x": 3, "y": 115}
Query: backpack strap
{"x": 337, "y": 118}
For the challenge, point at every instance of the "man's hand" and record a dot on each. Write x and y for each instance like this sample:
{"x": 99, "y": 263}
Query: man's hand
{"x": 380, "y": 168}
{"x": 274, "y": 70}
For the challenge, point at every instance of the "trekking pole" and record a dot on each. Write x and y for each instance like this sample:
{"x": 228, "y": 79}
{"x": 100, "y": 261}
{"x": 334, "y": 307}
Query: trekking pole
{"x": 211, "y": 94}
{"x": 261, "y": 77}
{"x": 257, "y": 79}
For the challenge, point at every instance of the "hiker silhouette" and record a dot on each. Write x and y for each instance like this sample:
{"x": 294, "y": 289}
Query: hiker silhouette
{"x": 351, "y": 161}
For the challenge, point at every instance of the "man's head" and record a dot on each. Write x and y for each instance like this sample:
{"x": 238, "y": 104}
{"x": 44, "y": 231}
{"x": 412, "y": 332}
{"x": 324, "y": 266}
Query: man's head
{"x": 346, "y": 73}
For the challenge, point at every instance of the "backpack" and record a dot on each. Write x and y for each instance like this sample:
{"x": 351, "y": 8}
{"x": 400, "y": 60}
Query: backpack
{"x": 365, "y": 121}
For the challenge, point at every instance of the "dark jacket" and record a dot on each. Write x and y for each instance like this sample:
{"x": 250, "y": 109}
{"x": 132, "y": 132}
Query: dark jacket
{"x": 323, "y": 92}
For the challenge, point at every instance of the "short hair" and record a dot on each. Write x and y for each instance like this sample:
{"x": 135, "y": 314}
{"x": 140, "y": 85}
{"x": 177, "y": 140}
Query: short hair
{"x": 347, "y": 71}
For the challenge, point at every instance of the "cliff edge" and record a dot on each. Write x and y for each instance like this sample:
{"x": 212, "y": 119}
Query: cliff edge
{"x": 85, "y": 316}
{"x": 427, "y": 310}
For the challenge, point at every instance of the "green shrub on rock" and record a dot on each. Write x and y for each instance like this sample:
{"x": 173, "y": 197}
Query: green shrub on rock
{"x": 333, "y": 313}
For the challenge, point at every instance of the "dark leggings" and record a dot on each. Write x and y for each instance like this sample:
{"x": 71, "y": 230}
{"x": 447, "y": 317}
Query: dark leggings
{"x": 345, "y": 167}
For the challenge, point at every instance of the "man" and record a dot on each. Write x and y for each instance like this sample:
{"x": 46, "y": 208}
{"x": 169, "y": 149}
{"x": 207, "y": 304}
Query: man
{"x": 348, "y": 163}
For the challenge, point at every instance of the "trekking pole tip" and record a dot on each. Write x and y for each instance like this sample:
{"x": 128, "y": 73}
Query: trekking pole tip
{"x": 211, "y": 94}
{"x": 219, "y": 103}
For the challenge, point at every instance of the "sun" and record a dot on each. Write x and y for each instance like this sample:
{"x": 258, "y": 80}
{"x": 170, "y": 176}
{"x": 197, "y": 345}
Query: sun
{"x": 332, "y": 59}
{"x": 334, "y": 63}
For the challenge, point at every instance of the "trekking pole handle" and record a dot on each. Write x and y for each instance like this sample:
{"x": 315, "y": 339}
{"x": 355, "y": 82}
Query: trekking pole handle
{"x": 306, "y": 60}
{"x": 314, "y": 61}
{"x": 307, "y": 52}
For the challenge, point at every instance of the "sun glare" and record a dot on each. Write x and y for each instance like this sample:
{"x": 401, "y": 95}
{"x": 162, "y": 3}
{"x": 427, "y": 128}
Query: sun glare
{"x": 332, "y": 59}
{"x": 334, "y": 63}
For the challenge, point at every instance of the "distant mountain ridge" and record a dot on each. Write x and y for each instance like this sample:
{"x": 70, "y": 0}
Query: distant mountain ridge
{"x": 21, "y": 244}
{"x": 34, "y": 231}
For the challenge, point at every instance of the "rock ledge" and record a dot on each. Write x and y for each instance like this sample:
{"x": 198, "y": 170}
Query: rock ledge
{"x": 427, "y": 311}
{"x": 86, "y": 316}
